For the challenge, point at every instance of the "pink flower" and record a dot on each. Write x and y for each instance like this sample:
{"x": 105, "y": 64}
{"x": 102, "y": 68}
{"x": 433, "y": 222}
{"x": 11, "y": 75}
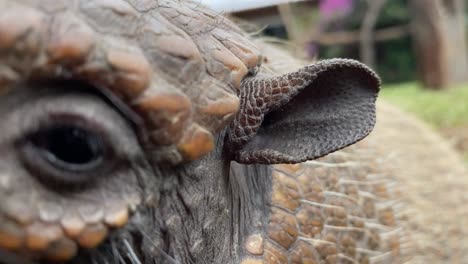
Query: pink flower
{"x": 335, "y": 7}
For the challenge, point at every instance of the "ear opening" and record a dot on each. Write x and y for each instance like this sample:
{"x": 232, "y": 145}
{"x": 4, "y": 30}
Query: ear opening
{"x": 333, "y": 110}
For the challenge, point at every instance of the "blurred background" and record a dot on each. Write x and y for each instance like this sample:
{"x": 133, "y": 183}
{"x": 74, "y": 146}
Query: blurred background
{"x": 419, "y": 47}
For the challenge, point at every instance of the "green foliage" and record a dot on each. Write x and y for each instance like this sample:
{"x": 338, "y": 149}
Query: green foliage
{"x": 442, "y": 109}
{"x": 395, "y": 12}
{"x": 396, "y": 61}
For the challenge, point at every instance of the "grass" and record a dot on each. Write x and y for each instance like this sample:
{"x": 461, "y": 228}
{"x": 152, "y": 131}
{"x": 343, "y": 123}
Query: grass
{"x": 442, "y": 109}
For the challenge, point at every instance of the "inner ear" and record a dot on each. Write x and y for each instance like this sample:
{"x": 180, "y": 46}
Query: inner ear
{"x": 333, "y": 109}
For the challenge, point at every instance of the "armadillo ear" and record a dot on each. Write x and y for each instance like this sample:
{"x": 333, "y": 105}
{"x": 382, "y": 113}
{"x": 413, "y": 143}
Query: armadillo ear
{"x": 305, "y": 114}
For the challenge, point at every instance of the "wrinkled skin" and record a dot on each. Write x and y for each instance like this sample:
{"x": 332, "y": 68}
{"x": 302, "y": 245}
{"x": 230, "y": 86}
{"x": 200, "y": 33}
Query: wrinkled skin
{"x": 146, "y": 132}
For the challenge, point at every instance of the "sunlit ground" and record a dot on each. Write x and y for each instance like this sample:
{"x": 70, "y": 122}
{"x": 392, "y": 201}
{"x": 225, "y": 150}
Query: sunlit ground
{"x": 445, "y": 110}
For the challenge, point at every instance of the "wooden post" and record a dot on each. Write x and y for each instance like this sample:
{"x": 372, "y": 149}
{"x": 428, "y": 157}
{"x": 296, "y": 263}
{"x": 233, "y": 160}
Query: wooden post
{"x": 367, "y": 49}
{"x": 439, "y": 37}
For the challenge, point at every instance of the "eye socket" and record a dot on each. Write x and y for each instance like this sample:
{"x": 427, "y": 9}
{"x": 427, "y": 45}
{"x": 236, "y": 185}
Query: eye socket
{"x": 67, "y": 154}
{"x": 70, "y": 148}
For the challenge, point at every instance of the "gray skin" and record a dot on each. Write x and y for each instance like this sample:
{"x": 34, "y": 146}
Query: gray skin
{"x": 188, "y": 203}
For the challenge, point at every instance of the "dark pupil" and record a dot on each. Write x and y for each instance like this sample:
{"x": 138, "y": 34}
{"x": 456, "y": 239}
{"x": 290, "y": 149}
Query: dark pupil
{"x": 70, "y": 145}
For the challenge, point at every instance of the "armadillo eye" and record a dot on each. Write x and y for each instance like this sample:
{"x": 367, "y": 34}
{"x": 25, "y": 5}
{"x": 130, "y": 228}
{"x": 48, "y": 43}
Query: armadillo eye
{"x": 69, "y": 148}
{"x": 66, "y": 153}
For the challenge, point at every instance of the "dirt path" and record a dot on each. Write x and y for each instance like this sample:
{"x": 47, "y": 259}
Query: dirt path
{"x": 458, "y": 137}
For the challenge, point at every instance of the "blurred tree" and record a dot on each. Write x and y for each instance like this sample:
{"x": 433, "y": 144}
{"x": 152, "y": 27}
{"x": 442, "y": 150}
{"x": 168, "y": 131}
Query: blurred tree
{"x": 367, "y": 49}
{"x": 439, "y": 37}
{"x": 390, "y": 39}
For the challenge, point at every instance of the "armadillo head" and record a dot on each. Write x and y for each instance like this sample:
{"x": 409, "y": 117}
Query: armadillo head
{"x": 121, "y": 121}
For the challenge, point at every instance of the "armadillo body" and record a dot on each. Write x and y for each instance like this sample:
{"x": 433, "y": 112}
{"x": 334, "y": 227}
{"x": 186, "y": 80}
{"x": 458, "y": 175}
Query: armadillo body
{"x": 422, "y": 170}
